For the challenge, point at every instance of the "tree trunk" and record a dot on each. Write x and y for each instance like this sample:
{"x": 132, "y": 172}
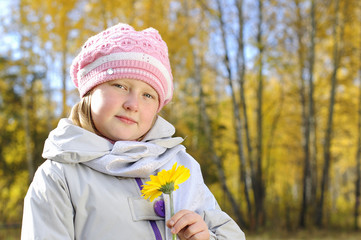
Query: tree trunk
{"x": 26, "y": 124}
{"x": 25, "y": 104}
{"x": 358, "y": 158}
{"x": 358, "y": 167}
{"x": 241, "y": 75}
{"x": 311, "y": 112}
{"x": 308, "y": 121}
{"x": 328, "y": 133}
{"x": 260, "y": 189}
{"x": 305, "y": 125}
{"x": 64, "y": 36}
{"x": 237, "y": 118}
{"x": 64, "y": 78}
{"x": 214, "y": 157}
{"x": 48, "y": 94}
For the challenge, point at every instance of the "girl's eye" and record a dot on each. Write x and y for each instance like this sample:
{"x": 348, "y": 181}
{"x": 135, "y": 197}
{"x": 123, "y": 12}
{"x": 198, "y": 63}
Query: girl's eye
{"x": 147, "y": 95}
{"x": 119, "y": 86}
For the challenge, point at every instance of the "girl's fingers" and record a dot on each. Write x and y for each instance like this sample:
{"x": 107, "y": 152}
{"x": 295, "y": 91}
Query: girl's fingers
{"x": 188, "y": 225}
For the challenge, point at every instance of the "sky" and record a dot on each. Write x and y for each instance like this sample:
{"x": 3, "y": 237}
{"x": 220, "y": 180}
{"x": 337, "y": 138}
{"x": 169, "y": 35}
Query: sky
{"x": 11, "y": 41}
{"x": 6, "y": 41}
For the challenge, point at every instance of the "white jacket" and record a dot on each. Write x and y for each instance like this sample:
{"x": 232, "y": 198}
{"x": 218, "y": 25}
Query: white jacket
{"x": 87, "y": 188}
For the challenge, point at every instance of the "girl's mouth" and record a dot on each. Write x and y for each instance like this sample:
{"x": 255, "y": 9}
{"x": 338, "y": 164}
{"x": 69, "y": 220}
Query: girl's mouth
{"x": 126, "y": 120}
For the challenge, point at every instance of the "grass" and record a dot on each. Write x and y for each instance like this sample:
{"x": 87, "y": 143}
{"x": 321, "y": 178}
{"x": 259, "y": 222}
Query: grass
{"x": 306, "y": 234}
{"x": 14, "y": 233}
{"x": 10, "y": 234}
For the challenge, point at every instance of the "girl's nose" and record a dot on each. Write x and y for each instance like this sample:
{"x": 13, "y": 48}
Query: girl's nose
{"x": 131, "y": 103}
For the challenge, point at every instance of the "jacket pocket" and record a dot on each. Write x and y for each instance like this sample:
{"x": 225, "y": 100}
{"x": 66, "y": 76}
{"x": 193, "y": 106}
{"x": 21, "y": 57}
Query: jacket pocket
{"x": 142, "y": 209}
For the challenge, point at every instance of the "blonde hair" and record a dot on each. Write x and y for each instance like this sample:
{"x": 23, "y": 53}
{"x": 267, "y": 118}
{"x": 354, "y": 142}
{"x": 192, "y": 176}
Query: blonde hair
{"x": 80, "y": 114}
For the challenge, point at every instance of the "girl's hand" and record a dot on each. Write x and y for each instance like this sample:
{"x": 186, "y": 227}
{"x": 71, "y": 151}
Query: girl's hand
{"x": 188, "y": 225}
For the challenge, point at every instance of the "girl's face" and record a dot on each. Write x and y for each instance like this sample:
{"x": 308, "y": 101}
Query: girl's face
{"x": 124, "y": 109}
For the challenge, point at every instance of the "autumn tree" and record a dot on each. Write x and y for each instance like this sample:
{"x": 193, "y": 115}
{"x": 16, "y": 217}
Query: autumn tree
{"x": 358, "y": 152}
{"x": 337, "y": 34}
{"x": 306, "y": 63}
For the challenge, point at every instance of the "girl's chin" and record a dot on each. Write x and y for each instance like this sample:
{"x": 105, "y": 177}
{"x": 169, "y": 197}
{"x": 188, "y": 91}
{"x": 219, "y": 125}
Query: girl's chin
{"x": 123, "y": 138}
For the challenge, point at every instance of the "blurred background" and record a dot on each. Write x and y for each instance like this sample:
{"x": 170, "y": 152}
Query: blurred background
{"x": 267, "y": 95}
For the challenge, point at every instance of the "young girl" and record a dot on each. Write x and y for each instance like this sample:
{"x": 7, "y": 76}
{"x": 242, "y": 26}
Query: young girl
{"x": 99, "y": 158}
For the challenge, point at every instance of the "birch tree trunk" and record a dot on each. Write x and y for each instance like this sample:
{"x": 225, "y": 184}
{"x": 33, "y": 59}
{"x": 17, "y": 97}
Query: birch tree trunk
{"x": 308, "y": 120}
{"x": 64, "y": 30}
{"x": 205, "y": 123}
{"x": 305, "y": 124}
{"x": 241, "y": 76}
{"x": 328, "y": 133}
{"x": 64, "y": 87}
{"x": 236, "y": 112}
{"x": 260, "y": 188}
{"x": 25, "y": 100}
{"x": 358, "y": 157}
{"x": 311, "y": 112}
{"x": 214, "y": 157}
{"x": 358, "y": 167}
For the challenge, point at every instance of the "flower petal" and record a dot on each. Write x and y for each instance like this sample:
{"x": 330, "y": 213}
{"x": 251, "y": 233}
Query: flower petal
{"x": 163, "y": 180}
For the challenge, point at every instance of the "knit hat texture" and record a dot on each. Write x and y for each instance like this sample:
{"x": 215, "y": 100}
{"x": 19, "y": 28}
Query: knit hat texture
{"x": 121, "y": 52}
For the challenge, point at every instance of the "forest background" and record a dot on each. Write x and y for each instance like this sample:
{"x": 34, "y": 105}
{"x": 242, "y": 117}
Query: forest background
{"x": 267, "y": 95}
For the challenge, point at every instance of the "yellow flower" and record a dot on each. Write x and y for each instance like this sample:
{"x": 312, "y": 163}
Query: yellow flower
{"x": 165, "y": 182}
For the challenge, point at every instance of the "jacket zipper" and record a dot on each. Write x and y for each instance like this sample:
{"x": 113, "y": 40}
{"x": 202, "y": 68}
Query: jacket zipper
{"x": 155, "y": 228}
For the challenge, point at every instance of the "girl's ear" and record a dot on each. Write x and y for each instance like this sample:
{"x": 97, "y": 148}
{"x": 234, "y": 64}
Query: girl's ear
{"x": 80, "y": 114}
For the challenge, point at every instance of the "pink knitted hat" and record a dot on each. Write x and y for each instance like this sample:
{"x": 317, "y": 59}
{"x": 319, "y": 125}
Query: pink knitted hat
{"x": 121, "y": 52}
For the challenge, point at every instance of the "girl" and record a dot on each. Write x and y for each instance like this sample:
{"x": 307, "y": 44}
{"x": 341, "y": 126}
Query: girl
{"x": 99, "y": 158}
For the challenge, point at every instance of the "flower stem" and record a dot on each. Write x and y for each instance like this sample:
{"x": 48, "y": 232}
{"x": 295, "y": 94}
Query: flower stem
{"x": 174, "y": 236}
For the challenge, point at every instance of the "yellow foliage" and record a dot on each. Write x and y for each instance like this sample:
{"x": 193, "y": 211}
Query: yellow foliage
{"x": 61, "y": 27}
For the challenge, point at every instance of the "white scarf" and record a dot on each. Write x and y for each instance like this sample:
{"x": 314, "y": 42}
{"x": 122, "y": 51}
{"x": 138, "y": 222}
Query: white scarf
{"x": 69, "y": 143}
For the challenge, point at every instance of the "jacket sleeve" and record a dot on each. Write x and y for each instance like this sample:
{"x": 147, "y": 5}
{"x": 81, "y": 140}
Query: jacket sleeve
{"x": 48, "y": 212}
{"x": 196, "y": 196}
{"x": 221, "y": 226}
